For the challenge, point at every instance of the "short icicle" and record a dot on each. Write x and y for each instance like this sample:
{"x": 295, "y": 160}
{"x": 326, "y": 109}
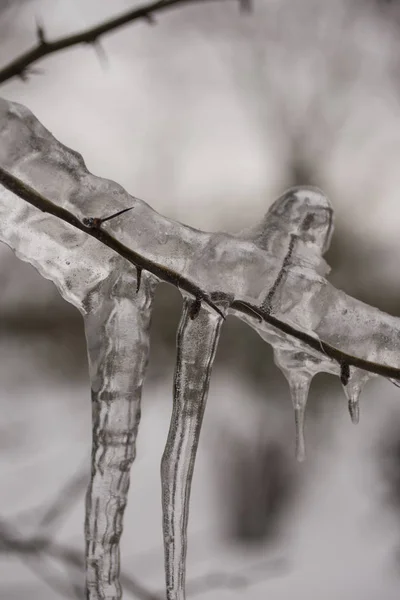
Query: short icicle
{"x": 299, "y": 384}
{"x": 196, "y": 346}
{"x": 353, "y": 389}
{"x": 299, "y": 380}
{"x": 117, "y": 333}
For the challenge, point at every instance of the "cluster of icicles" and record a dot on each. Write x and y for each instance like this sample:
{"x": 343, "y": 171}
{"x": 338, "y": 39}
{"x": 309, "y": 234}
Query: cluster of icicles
{"x": 54, "y": 215}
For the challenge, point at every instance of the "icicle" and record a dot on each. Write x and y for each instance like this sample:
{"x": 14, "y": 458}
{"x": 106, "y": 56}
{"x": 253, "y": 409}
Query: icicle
{"x": 118, "y": 343}
{"x": 356, "y": 381}
{"x": 196, "y": 346}
{"x": 299, "y": 379}
{"x": 299, "y": 383}
{"x": 354, "y": 409}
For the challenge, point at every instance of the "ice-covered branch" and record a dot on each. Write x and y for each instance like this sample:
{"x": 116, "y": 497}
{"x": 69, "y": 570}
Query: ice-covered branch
{"x": 21, "y": 66}
{"x": 242, "y": 308}
{"x": 106, "y": 251}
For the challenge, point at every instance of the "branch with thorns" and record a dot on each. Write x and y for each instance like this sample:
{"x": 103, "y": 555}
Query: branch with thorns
{"x": 22, "y": 65}
{"x": 92, "y": 227}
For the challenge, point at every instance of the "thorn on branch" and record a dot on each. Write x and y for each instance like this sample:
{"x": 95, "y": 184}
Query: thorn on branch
{"x": 91, "y": 40}
{"x": 96, "y": 222}
{"x": 40, "y": 33}
{"x": 92, "y": 222}
{"x": 23, "y": 75}
{"x": 101, "y": 53}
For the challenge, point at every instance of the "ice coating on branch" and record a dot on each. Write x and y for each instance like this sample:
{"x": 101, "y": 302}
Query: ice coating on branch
{"x": 298, "y": 229}
{"x": 241, "y": 267}
{"x": 197, "y": 342}
{"x": 272, "y": 276}
{"x": 303, "y": 213}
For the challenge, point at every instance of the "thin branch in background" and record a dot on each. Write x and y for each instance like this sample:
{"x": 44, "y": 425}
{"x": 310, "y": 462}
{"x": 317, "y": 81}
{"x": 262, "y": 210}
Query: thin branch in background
{"x": 21, "y": 66}
{"x": 73, "y": 558}
{"x": 35, "y": 551}
{"x": 38, "y": 551}
{"x": 30, "y": 551}
{"x": 56, "y": 510}
{"x": 65, "y": 498}
{"x": 41, "y": 554}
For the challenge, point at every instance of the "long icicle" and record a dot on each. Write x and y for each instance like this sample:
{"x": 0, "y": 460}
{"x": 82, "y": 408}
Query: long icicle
{"x": 196, "y": 346}
{"x": 118, "y": 345}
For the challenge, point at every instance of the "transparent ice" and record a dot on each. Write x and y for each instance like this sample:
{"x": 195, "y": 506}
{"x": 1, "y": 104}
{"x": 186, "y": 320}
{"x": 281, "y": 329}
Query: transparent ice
{"x": 272, "y": 276}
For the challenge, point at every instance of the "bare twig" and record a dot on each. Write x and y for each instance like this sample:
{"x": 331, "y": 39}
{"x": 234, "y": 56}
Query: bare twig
{"x": 20, "y": 66}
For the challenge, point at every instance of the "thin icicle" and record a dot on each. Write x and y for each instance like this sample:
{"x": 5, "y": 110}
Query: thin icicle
{"x": 299, "y": 369}
{"x": 299, "y": 384}
{"x": 196, "y": 346}
{"x": 353, "y": 388}
{"x": 118, "y": 344}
